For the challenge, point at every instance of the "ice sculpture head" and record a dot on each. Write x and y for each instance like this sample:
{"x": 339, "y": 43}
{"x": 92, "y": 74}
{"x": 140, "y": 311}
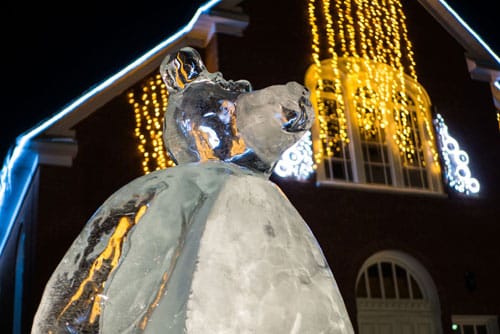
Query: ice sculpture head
{"x": 180, "y": 68}
{"x": 211, "y": 118}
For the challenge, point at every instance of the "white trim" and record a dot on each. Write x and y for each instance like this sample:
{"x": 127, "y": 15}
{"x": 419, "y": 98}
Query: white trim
{"x": 412, "y": 265}
{"x": 428, "y": 306}
{"x": 474, "y": 45}
{"x": 490, "y": 321}
{"x": 377, "y": 187}
{"x": 471, "y": 31}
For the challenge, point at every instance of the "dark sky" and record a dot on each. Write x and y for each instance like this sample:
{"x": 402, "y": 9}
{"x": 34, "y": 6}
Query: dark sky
{"x": 482, "y": 16}
{"x": 51, "y": 53}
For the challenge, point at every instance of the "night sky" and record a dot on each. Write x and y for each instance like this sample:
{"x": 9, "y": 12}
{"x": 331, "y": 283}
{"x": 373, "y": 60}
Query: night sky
{"x": 52, "y": 53}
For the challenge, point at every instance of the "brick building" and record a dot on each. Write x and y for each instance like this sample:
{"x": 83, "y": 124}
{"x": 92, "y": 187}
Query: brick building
{"x": 410, "y": 233}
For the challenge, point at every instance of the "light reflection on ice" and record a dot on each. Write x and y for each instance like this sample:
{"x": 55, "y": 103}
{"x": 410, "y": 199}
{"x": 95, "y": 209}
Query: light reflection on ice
{"x": 208, "y": 246}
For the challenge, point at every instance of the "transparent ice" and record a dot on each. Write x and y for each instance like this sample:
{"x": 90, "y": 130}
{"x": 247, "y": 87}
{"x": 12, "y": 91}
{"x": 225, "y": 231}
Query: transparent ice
{"x": 208, "y": 246}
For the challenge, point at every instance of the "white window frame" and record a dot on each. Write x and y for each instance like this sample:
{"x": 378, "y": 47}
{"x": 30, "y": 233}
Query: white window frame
{"x": 490, "y": 321}
{"x": 433, "y": 174}
{"x": 426, "y": 309}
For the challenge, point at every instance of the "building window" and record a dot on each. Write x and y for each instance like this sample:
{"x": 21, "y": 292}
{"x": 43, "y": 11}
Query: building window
{"x": 395, "y": 294}
{"x": 475, "y": 324}
{"x": 368, "y": 135}
{"x": 387, "y": 280}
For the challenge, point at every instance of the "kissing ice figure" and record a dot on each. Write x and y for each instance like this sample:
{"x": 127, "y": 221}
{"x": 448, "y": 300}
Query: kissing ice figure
{"x": 208, "y": 246}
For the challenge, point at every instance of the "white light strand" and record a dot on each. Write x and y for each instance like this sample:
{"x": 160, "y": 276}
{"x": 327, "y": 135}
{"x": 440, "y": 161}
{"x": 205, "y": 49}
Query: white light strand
{"x": 297, "y": 162}
{"x": 457, "y": 172}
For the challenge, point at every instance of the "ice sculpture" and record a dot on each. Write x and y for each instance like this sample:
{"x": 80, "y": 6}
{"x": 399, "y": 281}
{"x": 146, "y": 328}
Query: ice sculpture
{"x": 208, "y": 246}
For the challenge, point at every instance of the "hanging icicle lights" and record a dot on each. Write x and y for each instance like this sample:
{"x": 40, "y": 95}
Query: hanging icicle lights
{"x": 367, "y": 39}
{"x": 150, "y": 103}
{"x": 149, "y": 106}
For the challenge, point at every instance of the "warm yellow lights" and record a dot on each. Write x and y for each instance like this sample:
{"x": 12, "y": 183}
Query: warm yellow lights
{"x": 371, "y": 58}
{"x": 149, "y": 106}
{"x": 330, "y": 117}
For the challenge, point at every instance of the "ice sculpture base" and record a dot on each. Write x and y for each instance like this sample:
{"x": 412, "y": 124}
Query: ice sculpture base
{"x": 218, "y": 249}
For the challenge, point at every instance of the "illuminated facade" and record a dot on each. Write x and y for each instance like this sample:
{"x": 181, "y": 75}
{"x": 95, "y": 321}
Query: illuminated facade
{"x": 374, "y": 121}
{"x": 371, "y": 180}
{"x": 376, "y": 148}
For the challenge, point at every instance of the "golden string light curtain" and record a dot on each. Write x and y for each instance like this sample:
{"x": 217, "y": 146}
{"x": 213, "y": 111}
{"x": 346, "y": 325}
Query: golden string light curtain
{"x": 150, "y": 103}
{"x": 366, "y": 40}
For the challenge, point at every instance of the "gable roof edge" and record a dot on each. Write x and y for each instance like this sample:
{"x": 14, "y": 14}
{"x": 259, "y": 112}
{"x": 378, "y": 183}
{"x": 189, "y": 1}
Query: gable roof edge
{"x": 24, "y": 156}
{"x": 476, "y": 48}
{"x": 196, "y": 33}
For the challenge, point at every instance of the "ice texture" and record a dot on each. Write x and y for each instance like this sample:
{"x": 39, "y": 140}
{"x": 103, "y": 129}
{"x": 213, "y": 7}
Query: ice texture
{"x": 210, "y": 118}
{"x": 210, "y": 245}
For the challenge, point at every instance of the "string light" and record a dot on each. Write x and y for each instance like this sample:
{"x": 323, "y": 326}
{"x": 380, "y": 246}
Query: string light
{"x": 340, "y": 138}
{"x": 458, "y": 174}
{"x": 297, "y": 161}
{"x": 148, "y": 110}
{"x": 316, "y": 97}
{"x": 371, "y": 61}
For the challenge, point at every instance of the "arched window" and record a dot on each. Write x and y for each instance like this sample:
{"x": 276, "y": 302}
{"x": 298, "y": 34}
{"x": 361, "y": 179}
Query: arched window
{"x": 395, "y": 294}
{"x": 373, "y": 128}
{"x": 388, "y": 280}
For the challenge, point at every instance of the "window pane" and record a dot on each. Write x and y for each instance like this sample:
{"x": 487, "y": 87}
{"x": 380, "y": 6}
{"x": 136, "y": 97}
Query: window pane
{"x": 361, "y": 289}
{"x": 328, "y": 168}
{"x": 417, "y": 293}
{"x": 404, "y": 292}
{"x": 328, "y": 86}
{"x": 468, "y": 329}
{"x": 374, "y": 281}
{"x": 389, "y": 289}
{"x": 481, "y": 329}
{"x": 378, "y": 174}
{"x": 339, "y": 170}
{"x": 415, "y": 178}
{"x": 373, "y": 153}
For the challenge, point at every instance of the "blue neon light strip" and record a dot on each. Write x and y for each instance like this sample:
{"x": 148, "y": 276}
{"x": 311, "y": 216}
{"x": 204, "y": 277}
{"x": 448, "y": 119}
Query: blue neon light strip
{"x": 472, "y": 32}
{"x": 8, "y": 211}
{"x": 20, "y": 178}
{"x": 18, "y": 285}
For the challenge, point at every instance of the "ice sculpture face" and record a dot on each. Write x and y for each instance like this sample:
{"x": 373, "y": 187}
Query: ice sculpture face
{"x": 210, "y": 118}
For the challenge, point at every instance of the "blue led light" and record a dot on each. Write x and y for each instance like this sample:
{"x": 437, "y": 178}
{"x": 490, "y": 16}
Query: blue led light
{"x": 20, "y": 174}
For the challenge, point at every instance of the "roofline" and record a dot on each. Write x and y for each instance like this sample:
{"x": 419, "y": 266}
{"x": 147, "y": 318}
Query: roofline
{"x": 477, "y": 49}
{"x": 482, "y": 62}
{"x": 100, "y": 93}
{"x": 11, "y": 198}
